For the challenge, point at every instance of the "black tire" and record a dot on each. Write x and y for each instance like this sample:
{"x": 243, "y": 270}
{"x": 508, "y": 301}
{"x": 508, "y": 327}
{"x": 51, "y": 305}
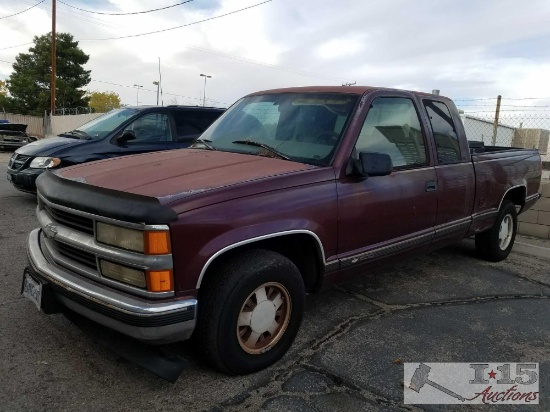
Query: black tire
{"x": 220, "y": 305}
{"x": 488, "y": 244}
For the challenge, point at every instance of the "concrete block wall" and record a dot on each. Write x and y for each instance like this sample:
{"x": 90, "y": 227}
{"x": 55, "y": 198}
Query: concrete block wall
{"x": 536, "y": 221}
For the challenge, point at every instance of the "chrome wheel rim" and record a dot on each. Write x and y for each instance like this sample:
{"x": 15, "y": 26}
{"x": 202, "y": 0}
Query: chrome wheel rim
{"x": 505, "y": 232}
{"x": 263, "y": 318}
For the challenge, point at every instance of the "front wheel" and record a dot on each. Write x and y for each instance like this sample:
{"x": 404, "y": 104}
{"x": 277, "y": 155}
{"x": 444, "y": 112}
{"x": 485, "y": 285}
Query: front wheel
{"x": 496, "y": 243}
{"x": 250, "y": 313}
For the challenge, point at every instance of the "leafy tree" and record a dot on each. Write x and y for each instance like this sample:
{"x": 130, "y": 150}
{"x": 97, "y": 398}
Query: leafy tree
{"x": 29, "y": 84}
{"x": 5, "y": 100}
{"x": 102, "y": 102}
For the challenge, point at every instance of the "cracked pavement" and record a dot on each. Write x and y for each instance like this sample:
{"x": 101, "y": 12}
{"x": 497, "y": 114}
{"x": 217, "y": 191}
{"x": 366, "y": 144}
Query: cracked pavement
{"x": 446, "y": 306}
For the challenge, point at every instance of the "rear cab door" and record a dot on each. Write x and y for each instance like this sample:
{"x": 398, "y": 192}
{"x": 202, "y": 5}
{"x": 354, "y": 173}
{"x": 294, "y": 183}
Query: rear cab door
{"x": 456, "y": 183}
{"x": 382, "y": 216}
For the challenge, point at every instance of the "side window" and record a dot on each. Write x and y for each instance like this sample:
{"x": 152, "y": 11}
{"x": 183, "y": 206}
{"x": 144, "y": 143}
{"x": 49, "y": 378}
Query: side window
{"x": 192, "y": 123}
{"x": 207, "y": 118}
{"x": 151, "y": 128}
{"x": 444, "y": 131}
{"x": 392, "y": 126}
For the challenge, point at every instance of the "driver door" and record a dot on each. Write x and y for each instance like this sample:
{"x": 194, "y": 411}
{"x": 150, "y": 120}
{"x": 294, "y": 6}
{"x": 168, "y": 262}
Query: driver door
{"x": 382, "y": 216}
{"x": 153, "y": 132}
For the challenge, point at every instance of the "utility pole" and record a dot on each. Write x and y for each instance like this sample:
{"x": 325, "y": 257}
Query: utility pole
{"x": 495, "y": 125}
{"x": 52, "y": 86}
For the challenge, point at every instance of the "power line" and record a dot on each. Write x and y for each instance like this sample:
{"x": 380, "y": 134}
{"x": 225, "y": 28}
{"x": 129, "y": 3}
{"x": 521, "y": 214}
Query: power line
{"x": 526, "y": 98}
{"x": 474, "y": 100}
{"x": 151, "y": 90}
{"x": 77, "y": 15}
{"x": 260, "y": 63}
{"x": 179, "y": 27}
{"x": 250, "y": 61}
{"x": 506, "y": 110}
{"x": 124, "y": 14}
{"x": 503, "y": 98}
{"x": 11, "y": 15}
{"x": 18, "y": 45}
{"x": 4, "y": 61}
{"x": 491, "y": 105}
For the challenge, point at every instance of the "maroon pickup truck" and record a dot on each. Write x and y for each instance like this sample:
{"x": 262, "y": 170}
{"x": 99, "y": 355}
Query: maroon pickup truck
{"x": 288, "y": 191}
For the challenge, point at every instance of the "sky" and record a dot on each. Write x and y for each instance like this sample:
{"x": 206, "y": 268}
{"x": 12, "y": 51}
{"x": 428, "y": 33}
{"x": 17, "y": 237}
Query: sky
{"x": 468, "y": 49}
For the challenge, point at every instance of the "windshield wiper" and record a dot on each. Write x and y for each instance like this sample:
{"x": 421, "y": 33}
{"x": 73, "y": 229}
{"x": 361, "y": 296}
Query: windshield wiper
{"x": 83, "y": 135}
{"x": 205, "y": 143}
{"x": 70, "y": 135}
{"x": 264, "y": 146}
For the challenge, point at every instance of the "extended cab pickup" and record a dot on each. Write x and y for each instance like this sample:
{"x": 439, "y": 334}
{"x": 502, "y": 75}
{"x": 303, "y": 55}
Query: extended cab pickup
{"x": 288, "y": 191}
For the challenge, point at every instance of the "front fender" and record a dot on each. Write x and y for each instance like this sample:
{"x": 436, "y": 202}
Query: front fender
{"x": 250, "y": 235}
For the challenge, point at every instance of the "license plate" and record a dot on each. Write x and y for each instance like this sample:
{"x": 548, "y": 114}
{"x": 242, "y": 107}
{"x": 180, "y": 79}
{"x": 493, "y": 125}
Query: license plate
{"x": 32, "y": 289}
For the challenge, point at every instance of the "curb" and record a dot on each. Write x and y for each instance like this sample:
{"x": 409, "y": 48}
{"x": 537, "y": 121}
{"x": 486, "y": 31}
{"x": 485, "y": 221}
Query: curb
{"x": 532, "y": 250}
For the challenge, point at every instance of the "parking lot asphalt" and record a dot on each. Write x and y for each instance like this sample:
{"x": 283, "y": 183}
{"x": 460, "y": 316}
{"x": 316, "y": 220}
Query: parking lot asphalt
{"x": 446, "y": 306}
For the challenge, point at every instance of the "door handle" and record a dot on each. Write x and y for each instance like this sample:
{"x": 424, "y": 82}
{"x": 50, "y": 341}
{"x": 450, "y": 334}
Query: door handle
{"x": 431, "y": 185}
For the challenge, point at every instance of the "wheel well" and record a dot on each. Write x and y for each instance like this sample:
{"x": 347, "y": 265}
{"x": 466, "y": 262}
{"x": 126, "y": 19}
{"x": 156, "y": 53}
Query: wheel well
{"x": 516, "y": 195}
{"x": 302, "y": 249}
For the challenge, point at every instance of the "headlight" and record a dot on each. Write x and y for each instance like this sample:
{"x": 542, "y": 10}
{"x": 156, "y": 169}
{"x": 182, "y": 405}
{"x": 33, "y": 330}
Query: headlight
{"x": 45, "y": 162}
{"x": 147, "y": 242}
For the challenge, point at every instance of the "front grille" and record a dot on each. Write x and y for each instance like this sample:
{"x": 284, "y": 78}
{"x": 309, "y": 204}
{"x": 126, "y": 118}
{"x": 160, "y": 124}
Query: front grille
{"x": 17, "y": 161}
{"x": 80, "y": 256}
{"x": 77, "y": 222}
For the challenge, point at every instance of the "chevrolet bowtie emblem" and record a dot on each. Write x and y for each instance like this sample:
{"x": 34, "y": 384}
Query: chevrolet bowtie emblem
{"x": 50, "y": 230}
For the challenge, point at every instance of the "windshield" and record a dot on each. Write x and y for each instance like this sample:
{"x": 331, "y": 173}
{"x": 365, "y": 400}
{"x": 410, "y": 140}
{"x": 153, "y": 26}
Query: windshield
{"x": 303, "y": 127}
{"x": 106, "y": 123}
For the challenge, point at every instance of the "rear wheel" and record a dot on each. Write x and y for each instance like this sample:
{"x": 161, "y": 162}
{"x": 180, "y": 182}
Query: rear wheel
{"x": 250, "y": 312}
{"x": 496, "y": 243}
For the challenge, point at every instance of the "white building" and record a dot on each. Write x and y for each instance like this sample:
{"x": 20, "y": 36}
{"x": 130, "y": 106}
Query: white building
{"x": 482, "y": 130}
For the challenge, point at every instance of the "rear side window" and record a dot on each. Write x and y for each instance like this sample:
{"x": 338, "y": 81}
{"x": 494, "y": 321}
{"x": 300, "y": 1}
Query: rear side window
{"x": 392, "y": 127}
{"x": 444, "y": 131}
{"x": 192, "y": 123}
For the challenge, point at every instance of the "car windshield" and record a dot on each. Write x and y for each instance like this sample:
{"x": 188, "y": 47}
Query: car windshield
{"x": 105, "y": 124}
{"x": 303, "y": 127}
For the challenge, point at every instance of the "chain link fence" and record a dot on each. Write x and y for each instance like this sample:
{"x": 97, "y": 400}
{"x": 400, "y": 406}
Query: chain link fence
{"x": 64, "y": 111}
{"x": 531, "y": 131}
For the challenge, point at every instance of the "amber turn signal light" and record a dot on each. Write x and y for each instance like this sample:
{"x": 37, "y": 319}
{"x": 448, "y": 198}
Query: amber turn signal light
{"x": 160, "y": 281}
{"x": 157, "y": 243}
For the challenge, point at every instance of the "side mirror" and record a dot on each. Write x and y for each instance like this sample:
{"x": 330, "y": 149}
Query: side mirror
{"x": 126, "y": 135}
{"x": 372, "y": 164}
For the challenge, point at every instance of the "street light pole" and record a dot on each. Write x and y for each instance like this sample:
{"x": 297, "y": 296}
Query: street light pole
{"x": 204, "y": 90}
{"x": 158, "y": 87}
{"x": 137, "y": 94}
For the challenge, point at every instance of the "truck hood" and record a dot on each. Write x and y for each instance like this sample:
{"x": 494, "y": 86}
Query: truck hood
{"x": 48, "y": 146}
{"x": 177, "y": 174}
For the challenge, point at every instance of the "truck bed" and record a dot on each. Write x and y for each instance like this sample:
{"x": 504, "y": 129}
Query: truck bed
{"x": 477, "y": 147}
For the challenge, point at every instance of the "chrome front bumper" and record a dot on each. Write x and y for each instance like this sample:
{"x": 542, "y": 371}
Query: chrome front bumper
{"x": 146, "y": 320}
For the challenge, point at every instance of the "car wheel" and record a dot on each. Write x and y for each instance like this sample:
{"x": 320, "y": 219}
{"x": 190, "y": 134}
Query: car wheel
{"x": 250, "y": 312}
{"x": 496, "y": 243}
